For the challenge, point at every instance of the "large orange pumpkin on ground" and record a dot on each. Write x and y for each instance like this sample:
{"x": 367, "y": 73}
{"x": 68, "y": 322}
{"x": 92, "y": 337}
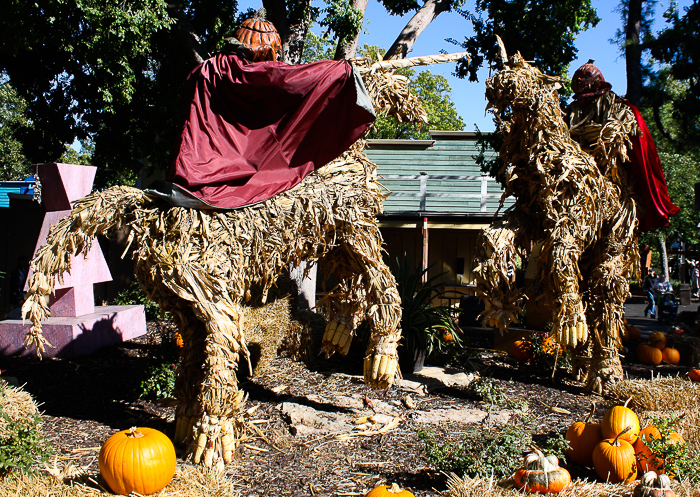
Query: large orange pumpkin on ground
{"x": 671, "y": 355}
{"x": 393, "y": 491}
{"x": 140, "y": 460}
{"x": 617, "y": 420}
{"x": 583, "y": 436}
{"x": 614, "y": 460}
{"x": 648, "y": 354}
{"x": 521, "y": 350}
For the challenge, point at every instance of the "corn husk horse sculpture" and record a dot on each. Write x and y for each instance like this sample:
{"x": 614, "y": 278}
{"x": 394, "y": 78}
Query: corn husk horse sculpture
{"x": 573, "y": 212}
{"x": 200, "y": 266}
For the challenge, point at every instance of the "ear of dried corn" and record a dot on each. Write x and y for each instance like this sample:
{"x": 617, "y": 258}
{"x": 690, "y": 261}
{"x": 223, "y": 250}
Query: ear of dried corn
{"x": 576, "y": 204}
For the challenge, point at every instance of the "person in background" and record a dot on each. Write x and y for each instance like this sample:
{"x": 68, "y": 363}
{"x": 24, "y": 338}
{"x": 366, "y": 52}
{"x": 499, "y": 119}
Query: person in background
{"x": 648, "y": 287}
{"x": 661, "y": 285}
{"x": 695, "y": 278}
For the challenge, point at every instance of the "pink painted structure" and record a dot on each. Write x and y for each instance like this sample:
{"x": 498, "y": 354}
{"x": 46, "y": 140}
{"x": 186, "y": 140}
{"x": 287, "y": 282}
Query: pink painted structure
{"x": 76, "y": 326}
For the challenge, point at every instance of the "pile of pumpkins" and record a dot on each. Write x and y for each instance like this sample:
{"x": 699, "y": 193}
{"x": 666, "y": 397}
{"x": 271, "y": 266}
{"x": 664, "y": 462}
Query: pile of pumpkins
{"x": 616, "y": 446}
{"x": 655, "y": 351}
{"x": 523, "y": 349}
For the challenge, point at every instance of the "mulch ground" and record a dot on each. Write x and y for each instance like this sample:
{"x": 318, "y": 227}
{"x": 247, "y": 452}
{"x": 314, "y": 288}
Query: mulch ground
{"x": 85, "y": 400}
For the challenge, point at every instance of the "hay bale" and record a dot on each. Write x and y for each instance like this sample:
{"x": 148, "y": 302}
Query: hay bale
{"x": 19, "y": 406}
{"x": 188, "y": 480}
{"x": 664, "y": 398}
{"x": 477, "y": 487}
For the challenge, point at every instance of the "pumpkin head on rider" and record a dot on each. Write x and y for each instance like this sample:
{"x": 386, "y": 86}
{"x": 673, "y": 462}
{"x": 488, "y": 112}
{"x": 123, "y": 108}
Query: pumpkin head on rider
{"x": 588, "y": 81}
{"x": 260, "y": 37}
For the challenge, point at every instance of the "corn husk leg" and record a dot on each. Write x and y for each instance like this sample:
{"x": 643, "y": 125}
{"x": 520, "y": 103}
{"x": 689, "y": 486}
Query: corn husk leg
{"x": 496, "y": 253}
{"x": 609, "y": 289}
{"x": 383, "y": 309}
{"x": 216, "y": 430}
{"x": 346, "y": 303}
{"x": 98, "y": 213}
{"x": 384, "y": 316}
{"x": 189, "y": 376}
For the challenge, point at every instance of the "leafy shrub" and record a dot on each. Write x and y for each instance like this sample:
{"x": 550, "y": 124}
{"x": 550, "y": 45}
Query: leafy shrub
{"x": 134, "y": 296}
{"x": 160, "y": 381}
{"x": 482, "y": 453}
{"x": 674, "y": 458}
{"x": 496, "y": 450}
{"x": 21, "y": 442}
{"x": 424, "y": 325}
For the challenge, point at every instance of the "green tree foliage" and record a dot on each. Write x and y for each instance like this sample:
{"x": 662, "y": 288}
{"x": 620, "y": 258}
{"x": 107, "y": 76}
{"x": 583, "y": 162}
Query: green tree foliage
{"x": 111, "y": 72}
{"x": 682, "y": 172}
{"x": 13, "y": 121}
{"x": 543, "y": 32}
{"x": 674, "y": 90}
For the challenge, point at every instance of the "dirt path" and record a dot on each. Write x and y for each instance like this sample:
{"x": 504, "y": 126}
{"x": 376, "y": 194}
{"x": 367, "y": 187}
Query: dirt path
{"x": 87, "y": 399}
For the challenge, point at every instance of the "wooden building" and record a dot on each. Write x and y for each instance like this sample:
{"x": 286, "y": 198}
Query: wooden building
{"x": 439, "y": 201}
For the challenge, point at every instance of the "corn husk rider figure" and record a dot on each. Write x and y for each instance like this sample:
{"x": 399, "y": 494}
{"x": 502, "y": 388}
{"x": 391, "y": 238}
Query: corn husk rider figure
{"x": 613, "y": 131}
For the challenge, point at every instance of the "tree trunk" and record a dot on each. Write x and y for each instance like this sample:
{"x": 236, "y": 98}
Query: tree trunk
{"x": 349, "y": 49}
{"x": 664, "y": 255}
{"x": 185, "y": 31}
{"x": 425, "y": 15}
{"x": 292, "y": 25}
{"x": 633, "y": 52}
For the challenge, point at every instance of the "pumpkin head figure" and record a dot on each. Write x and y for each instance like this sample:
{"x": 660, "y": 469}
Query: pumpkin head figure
{"x": 541, "y": 474}
{"x": 260, "y": 36}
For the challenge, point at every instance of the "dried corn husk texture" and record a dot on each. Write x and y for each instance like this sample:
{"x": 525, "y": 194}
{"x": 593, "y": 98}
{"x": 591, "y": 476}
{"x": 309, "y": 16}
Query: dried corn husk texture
{"x": 574, "y": 205}
{"x": 202, "y": 265}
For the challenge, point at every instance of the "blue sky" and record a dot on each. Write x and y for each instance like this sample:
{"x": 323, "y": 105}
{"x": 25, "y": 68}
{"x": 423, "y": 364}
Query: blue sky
{"x": 381, "y": 29}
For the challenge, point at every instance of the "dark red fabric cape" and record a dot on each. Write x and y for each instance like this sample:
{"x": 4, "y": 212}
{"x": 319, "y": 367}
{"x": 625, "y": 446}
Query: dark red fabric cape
{"x": 647, "y": 176}
{"x": 253, "y": 130}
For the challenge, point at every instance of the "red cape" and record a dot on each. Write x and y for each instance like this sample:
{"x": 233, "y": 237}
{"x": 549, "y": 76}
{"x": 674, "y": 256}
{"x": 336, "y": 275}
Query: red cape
{"x": 647, "y": 175}
{"x": 253, "y": 130}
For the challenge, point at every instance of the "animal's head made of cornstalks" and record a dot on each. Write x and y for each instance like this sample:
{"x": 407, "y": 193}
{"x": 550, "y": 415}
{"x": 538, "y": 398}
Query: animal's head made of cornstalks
{"x": 390, "y": 92}
{"x": 520, "y": 86}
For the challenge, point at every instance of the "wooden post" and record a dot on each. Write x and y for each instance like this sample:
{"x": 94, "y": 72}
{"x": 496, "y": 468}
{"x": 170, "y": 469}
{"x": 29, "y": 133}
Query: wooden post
{"x": 424, "y": 265}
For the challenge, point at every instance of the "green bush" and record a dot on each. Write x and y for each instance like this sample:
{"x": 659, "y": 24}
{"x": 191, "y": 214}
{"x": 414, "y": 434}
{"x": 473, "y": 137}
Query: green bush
{"x": 21, "y": 442}
{"x": 673, "y": 458}
{"x": 134, "y": 296}
{"x": 498, "y": 450}
{"x": 160, "y": 381}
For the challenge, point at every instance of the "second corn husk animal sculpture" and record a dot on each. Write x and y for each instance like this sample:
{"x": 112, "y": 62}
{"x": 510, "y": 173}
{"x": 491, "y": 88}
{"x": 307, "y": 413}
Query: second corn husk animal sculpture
{"x": 574, "y": 208}
{"x": 201, "y": 266}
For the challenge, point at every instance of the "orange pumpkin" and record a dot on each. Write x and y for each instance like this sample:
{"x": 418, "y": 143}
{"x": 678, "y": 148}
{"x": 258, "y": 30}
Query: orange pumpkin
{"x": 646, "y": 354}
{"x": 583, "y": 436}
{"x": 670, "y": 355}
{"x": 658, "y": 340}
{"x": 522, "y": 350}
{"x": 646, "y": 459}
{"x": 140, "y": 460}
{"x": 614, "y": 460}
{"x": 393, "y": 491}
{"x": 694, "y": 374}
{"x": 620, "y": 420}
{"x": 634, "y": 333}
{"x": 541, "y": 474}
{"x": 260, "y": 36}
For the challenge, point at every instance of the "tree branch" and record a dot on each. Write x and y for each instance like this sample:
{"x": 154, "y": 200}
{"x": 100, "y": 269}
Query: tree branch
{"x": 187, "y": 34}
{"x": 425, "y": 15}
{"x": 662, "y": 129}
{"x": 349, "y": 49}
